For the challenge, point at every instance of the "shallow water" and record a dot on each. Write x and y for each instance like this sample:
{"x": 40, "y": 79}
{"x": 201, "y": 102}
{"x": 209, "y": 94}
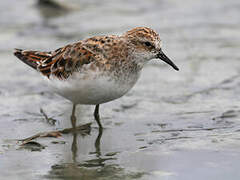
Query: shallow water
{"x": 172, "y": 125}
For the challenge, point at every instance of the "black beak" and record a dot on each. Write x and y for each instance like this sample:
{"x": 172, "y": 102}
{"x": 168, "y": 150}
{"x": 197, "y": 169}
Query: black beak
{"x": 163, "y": 57}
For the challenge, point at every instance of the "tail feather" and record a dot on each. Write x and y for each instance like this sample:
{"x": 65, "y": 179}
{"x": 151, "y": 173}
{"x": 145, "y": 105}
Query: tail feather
{"x": 31, "y": 58}
{"x": 24, "y": 57}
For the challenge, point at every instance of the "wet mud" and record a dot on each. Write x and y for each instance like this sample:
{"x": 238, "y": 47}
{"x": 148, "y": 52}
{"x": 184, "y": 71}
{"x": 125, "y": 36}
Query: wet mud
{"x": 172, "y": 125}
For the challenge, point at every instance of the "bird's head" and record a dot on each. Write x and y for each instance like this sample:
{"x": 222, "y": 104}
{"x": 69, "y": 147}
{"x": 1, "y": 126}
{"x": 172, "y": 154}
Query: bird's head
{"x": 145, "y": 45}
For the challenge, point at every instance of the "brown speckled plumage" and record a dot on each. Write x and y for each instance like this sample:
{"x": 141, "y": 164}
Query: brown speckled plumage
{"x": 104, "y": 52}
{"x": 99, "y": 69}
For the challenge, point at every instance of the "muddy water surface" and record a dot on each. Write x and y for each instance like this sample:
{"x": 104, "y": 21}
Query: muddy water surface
{"x": 173, "y": 125}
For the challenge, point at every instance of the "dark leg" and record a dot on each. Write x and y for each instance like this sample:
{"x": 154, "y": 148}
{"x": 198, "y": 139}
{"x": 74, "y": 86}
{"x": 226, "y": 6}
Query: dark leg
{"x": 73, "y": 117}
{"x": 96, "y": 115}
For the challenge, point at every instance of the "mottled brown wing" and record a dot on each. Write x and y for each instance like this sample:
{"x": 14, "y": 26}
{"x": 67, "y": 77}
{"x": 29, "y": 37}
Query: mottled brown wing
{"x": 31, "y": 58}
{"x": 60, "y": 63}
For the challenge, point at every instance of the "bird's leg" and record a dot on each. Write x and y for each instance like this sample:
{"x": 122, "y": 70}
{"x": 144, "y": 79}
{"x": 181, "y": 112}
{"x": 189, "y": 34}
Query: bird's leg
{"x": 97, "y": 118}
{"x": 83, "y": 128}
{"x": 73, "y": 117}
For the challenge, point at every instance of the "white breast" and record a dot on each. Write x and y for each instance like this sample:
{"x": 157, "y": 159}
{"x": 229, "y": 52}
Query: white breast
{"x": 92, "y": 88}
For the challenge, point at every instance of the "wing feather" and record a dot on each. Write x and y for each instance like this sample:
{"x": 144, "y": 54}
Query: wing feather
{"x": 60, "y": 63}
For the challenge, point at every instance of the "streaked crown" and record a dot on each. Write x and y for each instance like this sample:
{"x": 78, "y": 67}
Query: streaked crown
{"x": 145, "y": 42}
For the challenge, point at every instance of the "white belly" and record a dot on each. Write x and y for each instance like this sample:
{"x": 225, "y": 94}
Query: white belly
{"x": 92, "y": 89}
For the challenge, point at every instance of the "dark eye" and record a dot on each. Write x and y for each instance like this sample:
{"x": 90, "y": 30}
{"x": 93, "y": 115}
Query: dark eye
{"x": 148, "y": 44}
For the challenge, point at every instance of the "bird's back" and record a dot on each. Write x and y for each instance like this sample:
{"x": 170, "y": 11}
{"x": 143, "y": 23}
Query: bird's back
{"x": 92, "y": 71}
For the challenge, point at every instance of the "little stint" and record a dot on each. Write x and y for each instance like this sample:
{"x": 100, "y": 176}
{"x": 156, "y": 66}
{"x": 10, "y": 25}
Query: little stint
{"x": 99, "y": 69}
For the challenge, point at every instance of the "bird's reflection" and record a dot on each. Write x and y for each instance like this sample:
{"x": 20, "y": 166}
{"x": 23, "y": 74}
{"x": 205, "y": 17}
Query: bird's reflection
{"x": 98, "y": 142}
{"x": 74, "y": 147}
{"x": 86, "y": 169}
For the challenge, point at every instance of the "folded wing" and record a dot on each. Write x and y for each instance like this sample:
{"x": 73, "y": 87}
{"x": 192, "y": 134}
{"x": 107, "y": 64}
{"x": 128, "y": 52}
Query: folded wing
{"x": 60, "y": 63}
